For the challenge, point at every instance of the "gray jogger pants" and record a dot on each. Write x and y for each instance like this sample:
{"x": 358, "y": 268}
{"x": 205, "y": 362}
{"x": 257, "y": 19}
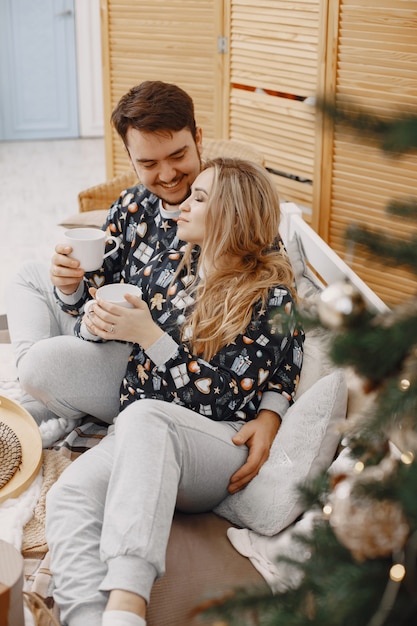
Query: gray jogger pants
{"x": 109, "y": 515}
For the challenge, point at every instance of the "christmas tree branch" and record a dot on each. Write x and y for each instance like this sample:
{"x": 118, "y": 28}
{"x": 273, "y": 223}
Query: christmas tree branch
{"x": 401, "y": 252}
{"x": 395, "y": 136}
{"x": 406, "y": 207}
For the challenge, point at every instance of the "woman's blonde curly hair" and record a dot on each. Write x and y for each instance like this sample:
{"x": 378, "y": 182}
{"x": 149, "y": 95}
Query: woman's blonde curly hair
{"x": 240, "y": 259}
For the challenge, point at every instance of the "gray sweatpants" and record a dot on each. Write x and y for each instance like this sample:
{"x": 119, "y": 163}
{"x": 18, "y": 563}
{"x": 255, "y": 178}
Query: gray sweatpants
{"x": 63, "y": 375}
{"x": 109, "y": 515}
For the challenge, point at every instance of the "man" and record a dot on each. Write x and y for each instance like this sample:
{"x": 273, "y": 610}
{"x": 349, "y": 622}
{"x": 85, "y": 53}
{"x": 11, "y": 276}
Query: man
{"x": 65, "y": 377}
{"x": 156, "y": 123}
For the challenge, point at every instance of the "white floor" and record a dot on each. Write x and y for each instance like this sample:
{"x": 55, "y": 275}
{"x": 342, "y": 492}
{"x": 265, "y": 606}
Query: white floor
{"x": 39, "y": 184}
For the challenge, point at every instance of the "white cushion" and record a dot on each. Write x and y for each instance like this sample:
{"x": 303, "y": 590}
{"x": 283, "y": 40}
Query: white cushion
{"x": 87, "y": 219}
{"x": 307, "y": 283}
{"x": 304, "y": 446}
{"x": 316, "y": 359}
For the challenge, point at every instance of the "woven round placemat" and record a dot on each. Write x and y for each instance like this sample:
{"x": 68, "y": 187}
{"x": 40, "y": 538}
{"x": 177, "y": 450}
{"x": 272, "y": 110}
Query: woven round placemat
{"x": 27, "y": 431}
{"x": 10, "y": 453}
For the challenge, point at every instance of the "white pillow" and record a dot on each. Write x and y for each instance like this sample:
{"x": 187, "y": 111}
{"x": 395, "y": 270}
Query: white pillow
{"x": 87, "y": 219}
{"x": 316, "y": 359}
{"x": 304, "y": 446}
{"x": 308, "y": 285}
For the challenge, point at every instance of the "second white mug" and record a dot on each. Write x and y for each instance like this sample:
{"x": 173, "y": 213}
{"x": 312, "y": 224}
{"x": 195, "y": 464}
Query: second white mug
{"x": 114, "y": 293}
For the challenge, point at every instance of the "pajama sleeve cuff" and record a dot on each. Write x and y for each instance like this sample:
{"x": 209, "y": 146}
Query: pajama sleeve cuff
{"x": 73, "y": 298}
{"x": 85, "y": 334}
{"x": 162, "y": 350}
{"x": 274, "y": 402}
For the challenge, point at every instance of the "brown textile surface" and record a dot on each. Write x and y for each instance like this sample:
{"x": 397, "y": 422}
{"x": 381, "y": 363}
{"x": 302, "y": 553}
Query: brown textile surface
{"x": 201, "y": 566}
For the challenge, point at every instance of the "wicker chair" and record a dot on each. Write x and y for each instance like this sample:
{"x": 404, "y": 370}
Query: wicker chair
{"x": 102, "y": 196}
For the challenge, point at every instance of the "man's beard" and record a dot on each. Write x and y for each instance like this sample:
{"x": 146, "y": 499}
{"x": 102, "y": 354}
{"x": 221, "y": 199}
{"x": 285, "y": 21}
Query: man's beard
{"x": 187, "y": 194}
{"x": 168, "y": 203}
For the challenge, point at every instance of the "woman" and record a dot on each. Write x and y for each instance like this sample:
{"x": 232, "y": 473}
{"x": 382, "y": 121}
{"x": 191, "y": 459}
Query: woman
{"x": 215, "y": 328}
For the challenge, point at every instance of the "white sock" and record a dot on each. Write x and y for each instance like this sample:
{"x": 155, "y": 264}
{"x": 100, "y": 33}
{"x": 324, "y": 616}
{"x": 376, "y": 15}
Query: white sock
{"x": 122, "y": 618}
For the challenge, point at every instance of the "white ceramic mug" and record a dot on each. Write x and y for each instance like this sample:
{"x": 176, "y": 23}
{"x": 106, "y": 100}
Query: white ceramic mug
{"x": 114, "y": 293}
{"x": 88, "y": 245}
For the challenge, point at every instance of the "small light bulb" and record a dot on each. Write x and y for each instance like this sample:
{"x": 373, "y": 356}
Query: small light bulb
{"x": 359, "y": 467}
{"x": 407, "y": 457}
{"x": 405, "y": 384}
{"x": 327, "y": 510}
{"x": 397, "y": 572}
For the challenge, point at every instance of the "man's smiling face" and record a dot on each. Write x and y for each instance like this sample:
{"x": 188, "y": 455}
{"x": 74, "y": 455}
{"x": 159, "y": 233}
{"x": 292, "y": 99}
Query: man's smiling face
{"x": 166, "y": 162}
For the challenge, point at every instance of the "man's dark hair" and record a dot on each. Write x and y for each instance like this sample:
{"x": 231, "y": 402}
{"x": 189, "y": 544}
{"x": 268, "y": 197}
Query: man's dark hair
{"x": 154, "y": 106}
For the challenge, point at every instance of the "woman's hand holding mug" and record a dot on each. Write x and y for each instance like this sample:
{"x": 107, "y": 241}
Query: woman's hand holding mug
{"x": 118, "y": 312}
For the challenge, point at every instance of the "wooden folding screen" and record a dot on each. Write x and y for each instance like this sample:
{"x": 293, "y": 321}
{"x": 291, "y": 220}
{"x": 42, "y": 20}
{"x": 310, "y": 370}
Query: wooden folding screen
{"x": 372, "y": 62}
{"x": 253, "y": 70}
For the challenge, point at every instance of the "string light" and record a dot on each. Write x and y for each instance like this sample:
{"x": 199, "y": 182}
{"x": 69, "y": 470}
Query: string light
{"x": 407, "y": 457}
{"x": 327, "y": 510}
{"x": 405, "y": 384}
{"x": 359, "y": 467}
{"x": 397, "y": 572}
{"x": 396, "y": 575}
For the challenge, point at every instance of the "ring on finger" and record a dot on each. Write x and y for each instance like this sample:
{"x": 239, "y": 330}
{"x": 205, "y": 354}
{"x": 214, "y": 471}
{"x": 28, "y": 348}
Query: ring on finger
{"x": 111, "y": 330}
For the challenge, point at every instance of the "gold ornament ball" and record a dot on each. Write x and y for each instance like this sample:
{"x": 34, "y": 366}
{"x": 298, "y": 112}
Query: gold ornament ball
{"x": 340, "y": 304}
{"x": 370, "y": 529}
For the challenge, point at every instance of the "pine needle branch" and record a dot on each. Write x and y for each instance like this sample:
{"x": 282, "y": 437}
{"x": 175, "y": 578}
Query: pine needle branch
{"x": 401, "y": 252}
{"x": 395, "y": 136}
{"x": 406, "y": 207}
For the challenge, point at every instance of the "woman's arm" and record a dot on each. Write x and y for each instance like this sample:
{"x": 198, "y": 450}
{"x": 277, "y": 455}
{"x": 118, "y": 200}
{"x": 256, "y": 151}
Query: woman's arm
{"x": 258, "y": 435}
{"x": 230, "y": 386}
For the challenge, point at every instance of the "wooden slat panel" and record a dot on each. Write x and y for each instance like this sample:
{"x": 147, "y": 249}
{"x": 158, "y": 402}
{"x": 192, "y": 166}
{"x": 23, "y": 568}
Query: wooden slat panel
{"x": 390, "y": 283}
{"x": 274, "y": 45}
{"x": 274, "y": 55}
{"x": 282, "y": 129}
{"x": 155, "y": 40}
{"x": 293, "y": 5}
{"x": 376, "y": 68}
{"x": 293, "y": 191}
